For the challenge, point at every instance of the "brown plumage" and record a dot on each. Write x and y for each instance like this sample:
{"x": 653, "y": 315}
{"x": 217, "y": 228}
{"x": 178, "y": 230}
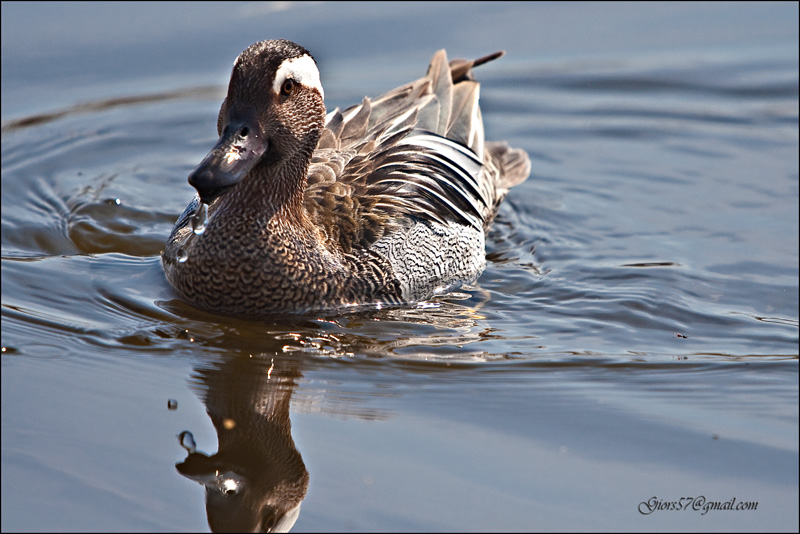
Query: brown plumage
{"x": 308, "y": 211}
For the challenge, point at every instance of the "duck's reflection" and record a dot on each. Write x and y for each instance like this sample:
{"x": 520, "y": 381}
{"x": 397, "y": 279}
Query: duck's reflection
{"x": 257, "y": 479}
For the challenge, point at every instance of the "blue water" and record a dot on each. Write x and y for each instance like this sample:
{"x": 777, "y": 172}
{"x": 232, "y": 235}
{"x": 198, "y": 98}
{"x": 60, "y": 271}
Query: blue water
{"x": 634, "y": 336}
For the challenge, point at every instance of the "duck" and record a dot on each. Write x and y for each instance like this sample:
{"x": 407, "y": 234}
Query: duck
{"x": 300, "y": 210}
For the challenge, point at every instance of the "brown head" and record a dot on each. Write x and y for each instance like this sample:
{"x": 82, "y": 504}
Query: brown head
{"x": 272, "y": 117}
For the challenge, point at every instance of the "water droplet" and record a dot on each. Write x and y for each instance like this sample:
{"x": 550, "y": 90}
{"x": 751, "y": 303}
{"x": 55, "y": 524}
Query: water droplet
{"x": 182, "y": 255}
{"x": 229, "y": 486}
{"x": 200, "y": 219}
{"x": 186, "y": 440}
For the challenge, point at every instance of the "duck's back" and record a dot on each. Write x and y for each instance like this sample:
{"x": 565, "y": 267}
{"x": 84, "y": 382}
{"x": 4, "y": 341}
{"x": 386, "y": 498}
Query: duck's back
{"x": 408, "y": 177}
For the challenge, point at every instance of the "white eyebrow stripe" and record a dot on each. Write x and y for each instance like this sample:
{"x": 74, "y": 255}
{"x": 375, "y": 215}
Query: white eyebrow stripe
{"x": 300, "y": 69}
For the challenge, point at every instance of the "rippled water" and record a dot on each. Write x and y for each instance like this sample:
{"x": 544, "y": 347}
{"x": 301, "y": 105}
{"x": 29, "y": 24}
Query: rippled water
{"x": 634, "y": 336}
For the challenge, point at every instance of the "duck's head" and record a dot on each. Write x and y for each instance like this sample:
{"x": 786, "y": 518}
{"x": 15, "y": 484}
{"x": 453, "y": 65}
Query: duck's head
{"x": 274, "y": 111}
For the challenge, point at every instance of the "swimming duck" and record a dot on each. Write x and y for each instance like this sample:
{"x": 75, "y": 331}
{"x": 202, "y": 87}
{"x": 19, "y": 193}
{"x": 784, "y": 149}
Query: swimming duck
{"x": 297, "y": 210}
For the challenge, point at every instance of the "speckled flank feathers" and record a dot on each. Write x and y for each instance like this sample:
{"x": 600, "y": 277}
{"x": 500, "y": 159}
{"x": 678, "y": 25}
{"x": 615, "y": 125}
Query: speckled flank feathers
{"x": 385, "y": 202}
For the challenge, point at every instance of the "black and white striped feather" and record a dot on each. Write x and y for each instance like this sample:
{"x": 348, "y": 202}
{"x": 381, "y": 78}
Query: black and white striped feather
{"x": 416, "y": 152}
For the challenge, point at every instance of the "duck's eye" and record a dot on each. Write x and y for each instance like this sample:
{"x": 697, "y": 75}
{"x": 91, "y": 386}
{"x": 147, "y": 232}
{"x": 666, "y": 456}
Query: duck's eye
{"x": 287, "y": 86}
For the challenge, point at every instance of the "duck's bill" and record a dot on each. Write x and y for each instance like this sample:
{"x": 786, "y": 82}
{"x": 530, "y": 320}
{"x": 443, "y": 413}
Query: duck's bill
{"x": 210, "y": 472}
{"x": 236, "y": 152}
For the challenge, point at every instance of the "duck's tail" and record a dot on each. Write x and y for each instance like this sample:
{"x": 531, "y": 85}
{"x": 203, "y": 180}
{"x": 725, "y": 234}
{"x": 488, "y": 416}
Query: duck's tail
{"x": 461, "y": 69}
{"x": 513, "y": 166}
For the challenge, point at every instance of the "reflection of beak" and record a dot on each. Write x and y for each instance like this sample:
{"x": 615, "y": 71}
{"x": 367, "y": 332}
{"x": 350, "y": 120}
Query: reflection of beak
{"x": 236, "y": 152}
{"x": 215, "y": 476}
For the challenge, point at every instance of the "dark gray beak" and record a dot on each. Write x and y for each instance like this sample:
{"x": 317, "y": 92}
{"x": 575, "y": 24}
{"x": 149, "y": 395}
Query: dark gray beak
{"x": 238, "y": 150}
